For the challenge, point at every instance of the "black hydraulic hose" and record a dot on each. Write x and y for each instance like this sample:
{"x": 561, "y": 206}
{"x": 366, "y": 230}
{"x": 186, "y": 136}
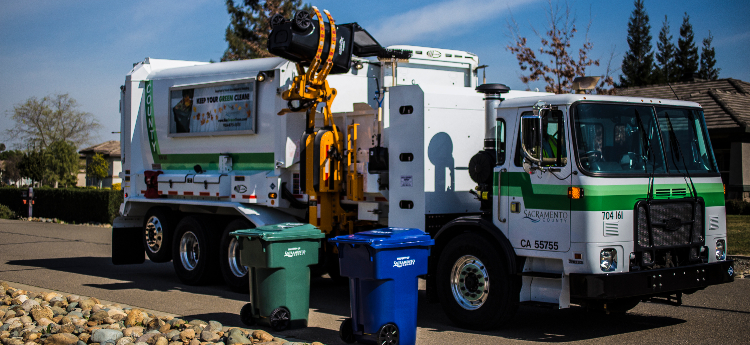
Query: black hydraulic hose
{"x": 288, "y": 196}
{"x": 647, "y": 146}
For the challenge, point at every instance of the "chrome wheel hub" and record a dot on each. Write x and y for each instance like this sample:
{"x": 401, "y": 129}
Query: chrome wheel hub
{"x": 469, "y": 282}
{"x": 190, "y": 251}
{"x": 234, "y": 258}
{"x": 154, "y": 234}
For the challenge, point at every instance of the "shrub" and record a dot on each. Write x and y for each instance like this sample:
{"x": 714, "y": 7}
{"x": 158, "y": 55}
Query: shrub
{"x": 738, "y": 207}
{"x": 7, "y": 213}
{"x": 117, "y": 186}
{"x": 73, "y": 205}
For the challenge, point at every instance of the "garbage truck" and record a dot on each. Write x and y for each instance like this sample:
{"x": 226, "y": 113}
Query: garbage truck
{"x": 600, "y": 201}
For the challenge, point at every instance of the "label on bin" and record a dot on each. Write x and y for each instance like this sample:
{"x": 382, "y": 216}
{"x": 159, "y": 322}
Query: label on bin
{"x": 403, "y": 261}
{"x": 292, "y": 252}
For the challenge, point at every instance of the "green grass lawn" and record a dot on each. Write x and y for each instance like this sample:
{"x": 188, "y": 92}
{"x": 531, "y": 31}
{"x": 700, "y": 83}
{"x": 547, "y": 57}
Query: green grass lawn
{"x": 738, "y": 235}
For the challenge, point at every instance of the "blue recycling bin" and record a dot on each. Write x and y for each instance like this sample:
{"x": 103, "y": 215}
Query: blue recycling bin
{"x": 383, "y": 266}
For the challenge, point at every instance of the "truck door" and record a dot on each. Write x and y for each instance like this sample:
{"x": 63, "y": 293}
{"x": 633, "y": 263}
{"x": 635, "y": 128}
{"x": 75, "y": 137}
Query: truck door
{"x": 538, "y": 202}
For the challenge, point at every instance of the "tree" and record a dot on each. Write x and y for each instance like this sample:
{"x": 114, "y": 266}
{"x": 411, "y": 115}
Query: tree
{"x": 247, "y": 33}
{"x": 63, "y": 162}
{"x": 561, "y": 68}
{"x": 686, "y": 60}
{"x": 33, "y": 165}
{"x": 708, "y": 69}
{"x": 10, "y": 170}
{"x": 638, "y": 63}
{"x": 40, "y": 122}
{"x": 97, "y": 168}
{"x": 665, "y": 56}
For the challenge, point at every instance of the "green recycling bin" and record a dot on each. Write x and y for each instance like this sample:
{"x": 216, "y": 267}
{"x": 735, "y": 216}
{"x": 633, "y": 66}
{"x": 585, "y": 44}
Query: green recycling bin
{"x": 278, "y": 258}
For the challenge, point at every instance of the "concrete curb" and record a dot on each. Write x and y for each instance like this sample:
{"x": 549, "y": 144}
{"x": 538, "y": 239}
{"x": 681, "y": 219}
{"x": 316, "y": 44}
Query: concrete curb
{"x": 744, "y": 257}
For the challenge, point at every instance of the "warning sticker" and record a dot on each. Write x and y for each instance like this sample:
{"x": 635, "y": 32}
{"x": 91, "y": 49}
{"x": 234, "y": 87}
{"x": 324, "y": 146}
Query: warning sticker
{"x": 407, "y": 181}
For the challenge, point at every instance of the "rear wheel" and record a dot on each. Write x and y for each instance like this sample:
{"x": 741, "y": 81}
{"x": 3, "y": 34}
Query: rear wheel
{"x": 246, "y": 315}
{"x": 346, "y": 332}
{"x": 193, "y": 256}
{"x": 158, "y": 229}
{"x": 234, "y": 273}
{"x": 464, "y": 272}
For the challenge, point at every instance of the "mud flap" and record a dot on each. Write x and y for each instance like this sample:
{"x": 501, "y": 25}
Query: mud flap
{"x": 127, "y": 246}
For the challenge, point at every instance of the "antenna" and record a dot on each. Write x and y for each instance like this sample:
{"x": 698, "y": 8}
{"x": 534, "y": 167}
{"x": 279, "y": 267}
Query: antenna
{"x": 675, "y": 93}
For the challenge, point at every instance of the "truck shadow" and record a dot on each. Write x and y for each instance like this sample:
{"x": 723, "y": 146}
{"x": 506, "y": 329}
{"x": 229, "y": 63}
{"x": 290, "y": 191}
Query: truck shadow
{"x": 329, "y": 297}
{"x": 148, "y": 276}
{"x": 551, "y": 325}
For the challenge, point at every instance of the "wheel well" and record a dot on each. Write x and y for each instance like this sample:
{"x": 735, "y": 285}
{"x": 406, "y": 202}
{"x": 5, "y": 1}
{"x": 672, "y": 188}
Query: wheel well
{"x": 475, "y": 225}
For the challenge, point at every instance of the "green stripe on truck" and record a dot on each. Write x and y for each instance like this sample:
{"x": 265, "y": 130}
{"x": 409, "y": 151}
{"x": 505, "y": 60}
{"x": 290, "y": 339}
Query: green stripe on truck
{"x": 596, "y": 197}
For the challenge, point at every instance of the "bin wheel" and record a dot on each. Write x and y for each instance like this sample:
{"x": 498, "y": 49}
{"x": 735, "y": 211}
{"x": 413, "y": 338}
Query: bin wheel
{"x": 280, "y": 319}
{"x": 388, "y": 334}
{"x": 246, "y": 314}
{"x": 346, "y": 331}
{"x": 158, "y": 229}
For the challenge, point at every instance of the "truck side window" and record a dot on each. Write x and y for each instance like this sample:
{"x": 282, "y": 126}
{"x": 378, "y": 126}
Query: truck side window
{"x": 518, "y": 159}
{"x": 500, "y": 142}
{"x": 553, "y": 139}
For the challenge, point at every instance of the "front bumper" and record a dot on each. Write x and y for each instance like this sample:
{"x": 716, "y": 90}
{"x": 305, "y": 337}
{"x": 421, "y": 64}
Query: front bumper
{"x": 651, "y": 282}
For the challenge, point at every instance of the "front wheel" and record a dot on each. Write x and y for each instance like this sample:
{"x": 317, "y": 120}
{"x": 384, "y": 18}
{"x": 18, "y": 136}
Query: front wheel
{"x": 388, "y": 334}
{"x": 465, "y": 270}
{"x": 234, "y": 273}
{"x": 280, "y": 319}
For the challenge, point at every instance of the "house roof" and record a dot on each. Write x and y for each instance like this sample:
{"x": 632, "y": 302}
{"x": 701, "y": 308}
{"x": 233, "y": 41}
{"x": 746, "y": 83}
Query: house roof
{"x": 725, "y": 102}
{"x": 108, "y": 148}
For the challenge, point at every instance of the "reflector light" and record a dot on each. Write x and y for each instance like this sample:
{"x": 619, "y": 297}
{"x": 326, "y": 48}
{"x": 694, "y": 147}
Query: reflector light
{"x": 272, "y": 195}
{"x": 575, "y": 192}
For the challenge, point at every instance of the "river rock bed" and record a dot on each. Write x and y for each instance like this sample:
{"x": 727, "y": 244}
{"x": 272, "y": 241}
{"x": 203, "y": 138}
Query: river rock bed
{"x": 49, "y": 318}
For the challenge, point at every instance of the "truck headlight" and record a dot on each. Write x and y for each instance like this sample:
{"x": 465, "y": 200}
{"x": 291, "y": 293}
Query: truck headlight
{"x": 608, "y": 260}
{"x": 721, "y": 250}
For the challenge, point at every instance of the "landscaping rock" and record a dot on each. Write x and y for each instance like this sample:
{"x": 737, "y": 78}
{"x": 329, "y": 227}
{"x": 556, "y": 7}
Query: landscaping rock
{"x": 103, "y": 336}
{"x": 61, "y": 339}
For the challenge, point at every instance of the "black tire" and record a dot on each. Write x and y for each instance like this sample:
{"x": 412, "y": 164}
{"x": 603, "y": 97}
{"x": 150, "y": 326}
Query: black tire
{"x": 388, "y": 334}
{"x": 280, "y": 319}
{"x": 158, "y": 230}
{"x": 346, "y": 331}
{"x": 235, "y": 275}
{"x": 473, "y": 260}
{"x": 193, "y": 254}
{"x": 246, "y": 315}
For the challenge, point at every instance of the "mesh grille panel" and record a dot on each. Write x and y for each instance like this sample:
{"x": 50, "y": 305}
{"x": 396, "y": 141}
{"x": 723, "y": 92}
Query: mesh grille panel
{"x": 671, "y": 224}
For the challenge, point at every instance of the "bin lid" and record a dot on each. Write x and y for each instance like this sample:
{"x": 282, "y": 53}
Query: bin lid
{"x": 387, "y": 238}
{"x": 281, "y": 232}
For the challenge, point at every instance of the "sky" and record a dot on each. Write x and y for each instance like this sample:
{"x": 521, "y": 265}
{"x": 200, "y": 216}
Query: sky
{"x": 86, "y": 47}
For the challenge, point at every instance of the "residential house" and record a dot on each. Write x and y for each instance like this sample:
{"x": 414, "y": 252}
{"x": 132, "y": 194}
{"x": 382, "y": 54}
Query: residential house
{"x": 111, "y": 152}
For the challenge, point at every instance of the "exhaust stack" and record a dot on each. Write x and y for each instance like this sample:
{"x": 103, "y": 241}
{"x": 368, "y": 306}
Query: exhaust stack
{"x": 492, "y": 98}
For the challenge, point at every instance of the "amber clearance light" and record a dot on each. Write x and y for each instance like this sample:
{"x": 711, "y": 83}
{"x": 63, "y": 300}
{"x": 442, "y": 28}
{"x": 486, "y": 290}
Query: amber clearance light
{"x": 575, "y": 192}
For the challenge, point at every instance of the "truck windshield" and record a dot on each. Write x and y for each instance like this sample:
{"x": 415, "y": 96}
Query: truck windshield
{"x": 627, "y": 139}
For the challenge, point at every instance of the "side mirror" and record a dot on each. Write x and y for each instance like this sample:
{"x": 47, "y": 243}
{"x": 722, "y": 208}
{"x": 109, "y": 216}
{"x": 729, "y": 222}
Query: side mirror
{"x": 531, "y": 140}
